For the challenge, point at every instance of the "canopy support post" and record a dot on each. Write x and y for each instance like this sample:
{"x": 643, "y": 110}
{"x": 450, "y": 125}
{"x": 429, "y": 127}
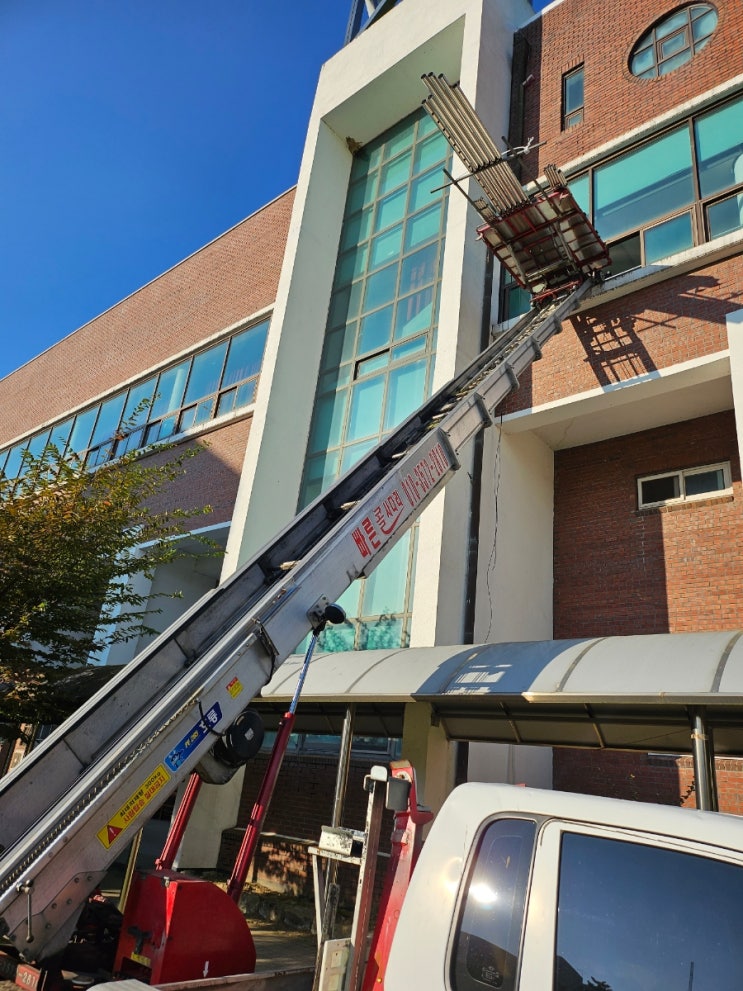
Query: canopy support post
{"x": 702, "y": 748}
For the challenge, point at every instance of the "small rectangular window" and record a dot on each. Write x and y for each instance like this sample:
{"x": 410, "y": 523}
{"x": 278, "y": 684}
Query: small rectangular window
{"x": 572, "y": 98}
{"x": 668, "y": 238}
{"x": 678, "y": 486}
{"x": 726, "y": 215}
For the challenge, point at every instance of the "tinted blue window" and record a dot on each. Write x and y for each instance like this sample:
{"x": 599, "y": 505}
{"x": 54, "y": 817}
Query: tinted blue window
{"x": 132, "y": 411}
{"x": 206, "y": 373}
{"x": 139, "y": 402}
{"x": 668, "y": 238}
{"x": 386, "y": 287}
{"x": 719, "y": 145}
{"x": 108, "y": 419}
{"x": 642, "y": 917}
{"x": 643, "y": 184}
{"x": 82, "y": 431}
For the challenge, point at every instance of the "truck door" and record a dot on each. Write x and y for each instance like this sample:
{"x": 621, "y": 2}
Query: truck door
{"x": 613, "y": 910}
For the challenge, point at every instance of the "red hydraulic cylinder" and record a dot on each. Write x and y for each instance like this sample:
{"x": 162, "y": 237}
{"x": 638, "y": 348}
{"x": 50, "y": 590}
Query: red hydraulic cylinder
{"x": 175, "y": 834}
{"x": 260, "y": 808}
{"x": 332, "y": 614}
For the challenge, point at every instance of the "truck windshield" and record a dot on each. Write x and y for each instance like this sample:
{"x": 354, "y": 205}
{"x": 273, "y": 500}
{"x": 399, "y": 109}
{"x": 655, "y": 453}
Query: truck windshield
{"x": 634, "y": 917}
{"x": 488, "y": 937}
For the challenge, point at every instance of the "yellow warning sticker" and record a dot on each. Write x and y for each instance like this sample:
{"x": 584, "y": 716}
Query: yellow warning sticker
{"x": 234, "y": 687}
{"x": 132, "y": 808}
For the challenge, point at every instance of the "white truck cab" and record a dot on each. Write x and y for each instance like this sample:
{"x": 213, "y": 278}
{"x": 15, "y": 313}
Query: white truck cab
{"x": 534, "y": 890}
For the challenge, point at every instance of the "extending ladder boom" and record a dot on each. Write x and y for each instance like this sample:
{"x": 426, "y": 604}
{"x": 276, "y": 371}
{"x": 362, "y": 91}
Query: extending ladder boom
{"x": 74, "y": 803}
{"x": 70, "y": 807}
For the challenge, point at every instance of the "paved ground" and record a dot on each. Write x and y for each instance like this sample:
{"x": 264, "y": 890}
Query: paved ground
{"x": 283, "y": 950}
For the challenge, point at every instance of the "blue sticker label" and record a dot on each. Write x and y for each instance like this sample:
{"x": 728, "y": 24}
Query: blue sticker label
{"x": 181, "y": 751}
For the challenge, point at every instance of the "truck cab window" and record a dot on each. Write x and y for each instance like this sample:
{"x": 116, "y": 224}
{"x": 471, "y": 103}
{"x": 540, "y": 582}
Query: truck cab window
{"x": 488, "y": 938}
{"x": 637, "y": 916}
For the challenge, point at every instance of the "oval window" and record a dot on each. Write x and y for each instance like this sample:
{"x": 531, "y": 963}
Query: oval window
{"x": 673, "y": 41}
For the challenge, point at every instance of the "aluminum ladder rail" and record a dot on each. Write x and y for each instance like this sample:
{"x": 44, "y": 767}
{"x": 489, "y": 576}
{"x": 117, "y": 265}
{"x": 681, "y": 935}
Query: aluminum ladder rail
{"x": 73, "y": 805}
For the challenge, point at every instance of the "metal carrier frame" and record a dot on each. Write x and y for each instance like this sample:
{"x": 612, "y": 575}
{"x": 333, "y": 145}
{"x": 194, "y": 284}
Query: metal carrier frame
{"x": 541, "y": 235}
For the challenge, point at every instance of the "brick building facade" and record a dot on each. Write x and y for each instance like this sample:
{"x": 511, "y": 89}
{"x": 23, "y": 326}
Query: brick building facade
{"x": 567, "y": 524}
{"x": 620, "y": 568}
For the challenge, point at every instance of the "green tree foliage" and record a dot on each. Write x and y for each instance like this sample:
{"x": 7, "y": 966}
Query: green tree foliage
{"x": 71, "y": 541}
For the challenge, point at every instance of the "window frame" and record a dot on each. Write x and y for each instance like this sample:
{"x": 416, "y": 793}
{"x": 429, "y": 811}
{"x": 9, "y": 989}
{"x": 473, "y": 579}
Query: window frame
{"x": 583, "y": 181}
{"x": 573, "y": 115}
{"x": 682, "y": 474}
{"x": 148, "y": 429}
{"x": 651, "y": 42}
{"x": 381, "y": 332}
{"x": 700, "y": 204}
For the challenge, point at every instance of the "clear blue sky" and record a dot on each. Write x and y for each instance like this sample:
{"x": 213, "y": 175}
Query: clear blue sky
{"x": 132, "y": 132}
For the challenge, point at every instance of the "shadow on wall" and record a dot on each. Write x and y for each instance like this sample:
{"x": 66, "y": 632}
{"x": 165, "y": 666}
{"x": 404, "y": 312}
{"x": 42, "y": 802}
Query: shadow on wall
{"x": 210, "y": 478}
{"x": 630, "y": 337}
{"x": 614, "y": 345}
{"x": 665, "y": 779}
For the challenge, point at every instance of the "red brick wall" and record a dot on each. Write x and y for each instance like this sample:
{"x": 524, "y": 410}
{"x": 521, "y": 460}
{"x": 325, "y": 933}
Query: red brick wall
{"x": 620, "y": 570}
{"x": 677, "y": 320}
{"x": 211, "y": 478}
{"x": 575, "y": 32}
{"x": 667, "y": 780}
{"x": 303, "y": 801}
{"x": 226, "y": 281}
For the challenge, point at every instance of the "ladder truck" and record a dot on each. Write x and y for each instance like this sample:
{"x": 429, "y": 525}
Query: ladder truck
{"x": 74, "y": 804}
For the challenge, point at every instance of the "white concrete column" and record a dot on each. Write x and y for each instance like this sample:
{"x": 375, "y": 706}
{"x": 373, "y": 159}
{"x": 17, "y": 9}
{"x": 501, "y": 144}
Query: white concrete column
{"x": 514, "y": 590}
{"x": 510, "y": 763}
{"x": 429, "y": 751}
{"x": 734, "y": 322}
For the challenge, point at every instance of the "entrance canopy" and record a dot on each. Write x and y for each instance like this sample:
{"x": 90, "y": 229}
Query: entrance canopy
{"x": 635, "y": 692}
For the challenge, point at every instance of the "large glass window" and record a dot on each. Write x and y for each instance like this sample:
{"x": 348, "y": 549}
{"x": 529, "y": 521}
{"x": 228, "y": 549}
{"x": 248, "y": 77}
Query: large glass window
{"x": 212, "y": 382}
{"x": 377, "y": 360}
{"x": 666, "y": 195}
{"x": 719, "y": 143}
{"x": 206, "y": 373}
{"x": 685, "y": 179}
{"x": 643, "y": 184}
{"x": 642, "y": 917}
{"x": 107, "y": 423}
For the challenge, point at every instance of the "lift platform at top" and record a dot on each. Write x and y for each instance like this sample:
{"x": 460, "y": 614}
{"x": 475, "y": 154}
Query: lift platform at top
{"x": 539, "y": 233}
